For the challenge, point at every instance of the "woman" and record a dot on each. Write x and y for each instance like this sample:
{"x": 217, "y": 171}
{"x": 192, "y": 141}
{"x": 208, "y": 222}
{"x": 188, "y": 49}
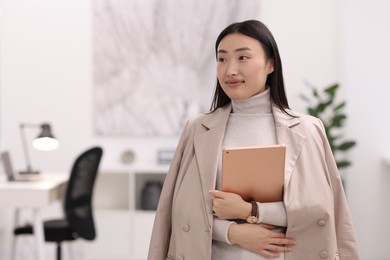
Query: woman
{"x": 193, "y": 219}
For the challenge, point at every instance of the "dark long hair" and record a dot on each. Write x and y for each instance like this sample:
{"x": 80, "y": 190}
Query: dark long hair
{"x": 258, "y": 31}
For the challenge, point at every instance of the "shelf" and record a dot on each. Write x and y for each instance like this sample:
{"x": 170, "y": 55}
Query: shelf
{"x": 124, "y": 227}
{"x": 112, "y": 191}
{"x": 114, "y": 231}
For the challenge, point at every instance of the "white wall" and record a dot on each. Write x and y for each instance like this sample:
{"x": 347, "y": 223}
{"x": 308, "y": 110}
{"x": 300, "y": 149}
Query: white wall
{"x": 366, "y": 57}
{"x": 306, "y": 32}
{"x": 46, "y": 75}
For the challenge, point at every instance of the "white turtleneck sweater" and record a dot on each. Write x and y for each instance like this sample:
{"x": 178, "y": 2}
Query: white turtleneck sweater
{"x": 250, "y": 123}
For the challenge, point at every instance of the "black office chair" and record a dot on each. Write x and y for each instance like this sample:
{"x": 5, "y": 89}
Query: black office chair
{"x": 78, "y": 221}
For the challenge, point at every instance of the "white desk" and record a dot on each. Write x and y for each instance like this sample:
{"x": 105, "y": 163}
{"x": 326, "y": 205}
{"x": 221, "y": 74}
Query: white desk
{"x": 36, "y": 196}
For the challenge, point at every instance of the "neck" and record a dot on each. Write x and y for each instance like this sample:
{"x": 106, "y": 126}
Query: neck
{"x": 257, "y": 104}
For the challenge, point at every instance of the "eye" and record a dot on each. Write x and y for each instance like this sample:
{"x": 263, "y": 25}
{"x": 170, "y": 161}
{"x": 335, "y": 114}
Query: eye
{"x": 243, "y": 58}
{"x": 221, "y": 59}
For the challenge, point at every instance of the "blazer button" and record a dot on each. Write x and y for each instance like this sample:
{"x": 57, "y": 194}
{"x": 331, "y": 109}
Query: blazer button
{"x": 186, "y": 228}
{"x": 323, "y": 254}
{"x": 321, "y": 222}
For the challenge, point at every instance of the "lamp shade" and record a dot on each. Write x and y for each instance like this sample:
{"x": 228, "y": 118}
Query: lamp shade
{"x": 45, "y": 140}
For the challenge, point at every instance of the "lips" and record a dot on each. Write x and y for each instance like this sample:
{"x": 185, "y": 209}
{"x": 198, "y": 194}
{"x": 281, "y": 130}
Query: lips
{"x": 234, "y": 83}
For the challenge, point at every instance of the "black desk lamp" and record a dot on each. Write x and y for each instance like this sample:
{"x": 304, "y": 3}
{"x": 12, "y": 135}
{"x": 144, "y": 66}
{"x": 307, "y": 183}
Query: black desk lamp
{"x": 44, "y": 142}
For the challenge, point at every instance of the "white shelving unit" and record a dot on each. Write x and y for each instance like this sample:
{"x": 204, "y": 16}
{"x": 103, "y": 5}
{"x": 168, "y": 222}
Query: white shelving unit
{"x": 123, "y": 228}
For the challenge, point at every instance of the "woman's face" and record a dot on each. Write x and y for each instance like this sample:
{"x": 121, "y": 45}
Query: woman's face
{"x": 242, "y": 66}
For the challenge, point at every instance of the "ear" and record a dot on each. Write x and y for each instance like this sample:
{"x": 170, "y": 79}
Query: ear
{"x": 270, "y": 66}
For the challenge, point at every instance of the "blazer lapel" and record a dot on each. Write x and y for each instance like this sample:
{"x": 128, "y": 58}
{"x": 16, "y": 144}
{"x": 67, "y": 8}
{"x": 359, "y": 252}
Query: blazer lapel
{"x": 208, "y": 143}
{"x": 286, "y": 135}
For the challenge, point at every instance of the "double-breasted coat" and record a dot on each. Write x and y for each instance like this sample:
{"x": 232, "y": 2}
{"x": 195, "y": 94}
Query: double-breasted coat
{"x": 318, "y": 217}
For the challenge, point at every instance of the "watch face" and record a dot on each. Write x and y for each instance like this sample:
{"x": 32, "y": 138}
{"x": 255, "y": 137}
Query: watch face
{"x": 252, "y": 219}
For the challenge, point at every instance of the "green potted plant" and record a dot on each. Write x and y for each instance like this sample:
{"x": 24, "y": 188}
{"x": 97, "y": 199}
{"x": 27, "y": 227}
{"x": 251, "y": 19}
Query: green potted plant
{"x": 323, "y": 104}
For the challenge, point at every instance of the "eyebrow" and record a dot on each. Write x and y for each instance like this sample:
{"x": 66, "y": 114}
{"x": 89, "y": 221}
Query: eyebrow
{"x": 236, "y": 50}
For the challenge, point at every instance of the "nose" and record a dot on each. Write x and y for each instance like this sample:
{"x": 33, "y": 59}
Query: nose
{"x": 232, "y": 68}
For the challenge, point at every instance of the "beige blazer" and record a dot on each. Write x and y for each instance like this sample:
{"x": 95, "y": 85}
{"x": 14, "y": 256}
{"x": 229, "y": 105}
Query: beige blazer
{"x": 317, "y": 213}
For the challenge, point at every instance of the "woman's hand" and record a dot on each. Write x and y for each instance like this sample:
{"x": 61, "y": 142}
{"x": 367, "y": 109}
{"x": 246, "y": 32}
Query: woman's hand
{"x": 227, "y": 205}
{"x": 259, "y": 238}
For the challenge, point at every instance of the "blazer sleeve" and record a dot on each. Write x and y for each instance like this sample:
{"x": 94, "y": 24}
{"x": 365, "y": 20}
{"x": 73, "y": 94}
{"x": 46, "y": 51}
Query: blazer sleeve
{"x": 161, "y": 232}
{"x": 346, "y": 238}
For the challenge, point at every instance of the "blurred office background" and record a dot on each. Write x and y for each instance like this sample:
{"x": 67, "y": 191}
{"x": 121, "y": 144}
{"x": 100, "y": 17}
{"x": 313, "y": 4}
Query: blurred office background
{"x": 47, "y": 63}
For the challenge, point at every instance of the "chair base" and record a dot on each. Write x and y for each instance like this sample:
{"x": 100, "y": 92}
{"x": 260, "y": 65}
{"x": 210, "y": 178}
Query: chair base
{"x": 55, "y": 231}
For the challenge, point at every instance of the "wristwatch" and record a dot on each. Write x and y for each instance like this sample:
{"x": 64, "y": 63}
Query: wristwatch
{"x": 254, "y": 213}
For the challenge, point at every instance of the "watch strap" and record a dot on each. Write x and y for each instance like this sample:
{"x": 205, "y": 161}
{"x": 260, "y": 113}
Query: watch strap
{"x": 255, "y": 210}
{"x": 254, "y": 213}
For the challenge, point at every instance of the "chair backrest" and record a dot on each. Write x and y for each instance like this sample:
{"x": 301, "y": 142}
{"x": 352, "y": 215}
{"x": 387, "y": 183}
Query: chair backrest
{"x": 78, "y": 197}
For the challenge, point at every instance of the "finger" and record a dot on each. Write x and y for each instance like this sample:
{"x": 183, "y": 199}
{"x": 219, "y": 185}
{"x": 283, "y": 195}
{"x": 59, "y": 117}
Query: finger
{"x": 216, "y": 194}
{"x": 278, "y": 248}
{"x": 267, "y": 226}
{"x": 269, "y": 254}
{"x": 276, "y": 234}
{"x": 214, "y": 210}
{"x": 282, "y": 241}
